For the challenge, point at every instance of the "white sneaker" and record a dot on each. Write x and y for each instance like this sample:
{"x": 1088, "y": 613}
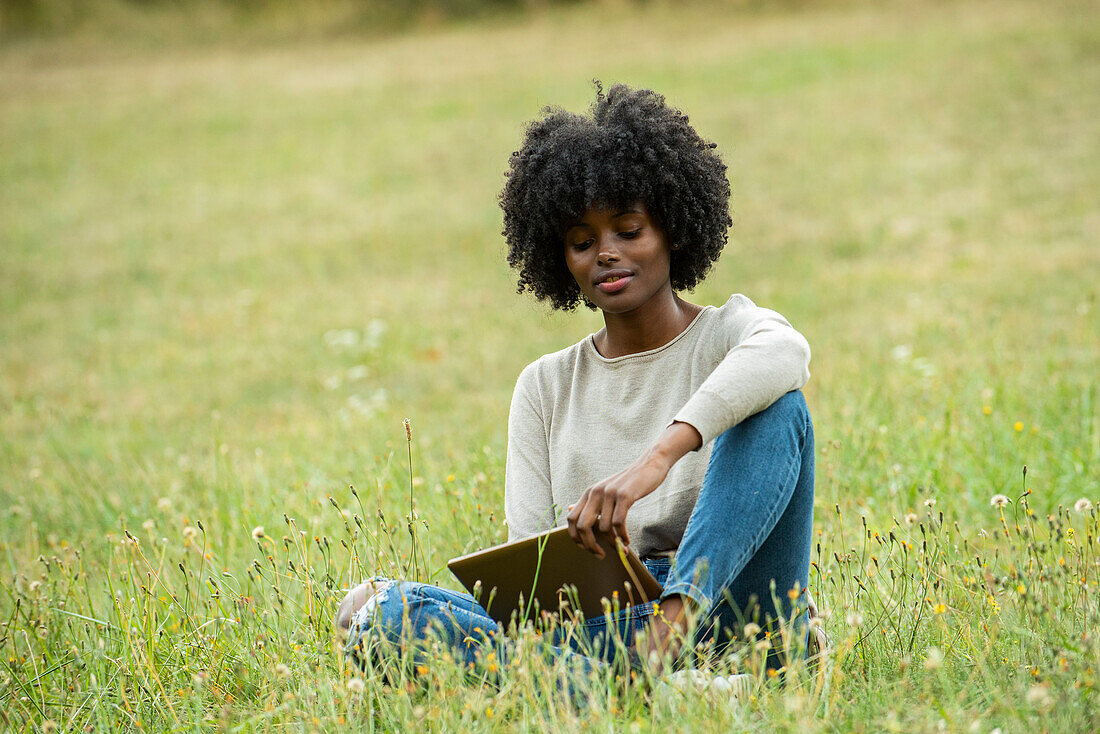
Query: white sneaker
{"x": 721, "y": 689}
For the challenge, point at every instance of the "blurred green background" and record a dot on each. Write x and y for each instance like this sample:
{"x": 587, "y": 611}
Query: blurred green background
{"x": 239, "y": 243}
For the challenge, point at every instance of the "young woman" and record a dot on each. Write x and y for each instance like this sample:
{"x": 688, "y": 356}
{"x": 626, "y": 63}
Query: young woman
{"x": 679, "y": 428}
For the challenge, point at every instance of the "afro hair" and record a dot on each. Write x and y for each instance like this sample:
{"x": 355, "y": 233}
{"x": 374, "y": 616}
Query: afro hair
{"x": 631, "y": 148}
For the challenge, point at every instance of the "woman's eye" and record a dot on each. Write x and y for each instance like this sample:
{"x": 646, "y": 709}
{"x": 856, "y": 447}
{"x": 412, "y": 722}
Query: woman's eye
{"x": 583, "y": 245}
{"x": 631, "y": 234}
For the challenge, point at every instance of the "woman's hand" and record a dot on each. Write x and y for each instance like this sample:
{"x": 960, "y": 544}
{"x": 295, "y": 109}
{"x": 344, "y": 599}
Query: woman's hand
{"x": 604, "y": 505}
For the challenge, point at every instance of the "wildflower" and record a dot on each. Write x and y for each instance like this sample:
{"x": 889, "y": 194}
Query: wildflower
{"x": 148, "y": 524}
{"x": 998, "y": 500}
{"x": 1018, "y": 425}
{"x": 164, "y": 504}
{"x": 933, "y": 658}
{"x": 1021, "y": 589}
{"x": 1038, "y": 695}
{"x": 355, "y": 685}
{"x": 911, "y": 518}
{"x": 257, "y": 532}
{"x": 930, "y": 502}
{"x": 763, "y": 645}
{"x": 282, "y": 671}
{"x": 940, "y": 608}
{"x": 1082, "y": 505}
{"x": 986, "y": 410}
{"x": 854, "y": 619}
{"x": 752, "y": 629}
{"x": 190, "y": 532}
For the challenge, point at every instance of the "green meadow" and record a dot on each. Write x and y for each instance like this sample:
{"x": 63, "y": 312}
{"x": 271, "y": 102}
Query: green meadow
{"x": 230, "y": 270}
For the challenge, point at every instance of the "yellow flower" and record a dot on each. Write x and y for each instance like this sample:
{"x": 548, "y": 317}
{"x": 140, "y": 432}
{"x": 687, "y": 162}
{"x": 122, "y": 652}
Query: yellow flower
{"x": 1021, "y": 589}
{"x": 940, "y": 608}
{"x": 986, "y": 410}
{"x": 1019, "y": 426}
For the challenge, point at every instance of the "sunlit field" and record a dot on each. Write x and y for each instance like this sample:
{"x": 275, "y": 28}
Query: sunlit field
{"x": 228, "y": 274}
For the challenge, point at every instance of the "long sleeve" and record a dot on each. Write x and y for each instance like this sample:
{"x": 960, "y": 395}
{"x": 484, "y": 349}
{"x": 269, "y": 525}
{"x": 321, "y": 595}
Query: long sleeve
{"x": 766, "y": 359}
{"x": 528, "y": 503}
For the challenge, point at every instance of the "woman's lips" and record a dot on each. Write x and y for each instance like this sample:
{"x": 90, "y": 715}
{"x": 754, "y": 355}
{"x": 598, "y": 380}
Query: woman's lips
{"x": 615, "y": 285}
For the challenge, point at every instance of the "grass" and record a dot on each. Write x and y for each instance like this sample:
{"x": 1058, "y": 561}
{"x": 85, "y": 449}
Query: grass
{"x": 227, "y": 277}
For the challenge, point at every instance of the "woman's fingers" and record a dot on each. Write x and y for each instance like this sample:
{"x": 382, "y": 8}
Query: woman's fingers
{"x": 618, "y": 522}
{"x": 583, "y": 518}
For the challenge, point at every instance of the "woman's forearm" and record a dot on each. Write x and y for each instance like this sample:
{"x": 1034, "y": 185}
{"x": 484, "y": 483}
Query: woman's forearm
{"x": 674, "y": 443}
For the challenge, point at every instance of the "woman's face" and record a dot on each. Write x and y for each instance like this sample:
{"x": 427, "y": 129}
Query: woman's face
{"x": 619, "y": 258}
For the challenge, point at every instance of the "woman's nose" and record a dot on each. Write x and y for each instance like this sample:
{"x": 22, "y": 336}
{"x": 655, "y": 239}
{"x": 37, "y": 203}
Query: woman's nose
{"x": 608, "y": 253}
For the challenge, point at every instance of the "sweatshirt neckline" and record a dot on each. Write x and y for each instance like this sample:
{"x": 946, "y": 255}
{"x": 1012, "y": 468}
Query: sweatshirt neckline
{"x": 590, "y": 342}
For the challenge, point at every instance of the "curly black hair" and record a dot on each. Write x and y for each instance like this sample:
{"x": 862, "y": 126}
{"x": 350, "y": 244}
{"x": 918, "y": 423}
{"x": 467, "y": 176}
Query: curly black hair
{"x": 631, "y": 148}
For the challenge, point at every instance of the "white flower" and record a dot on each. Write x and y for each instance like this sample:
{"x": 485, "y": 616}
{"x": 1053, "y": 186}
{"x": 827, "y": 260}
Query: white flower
{"x": 355, "y": 685}
{"x": 190, "y": 532}
{"x": 1082, "y": 505}
{"x": 164, "y": 504}
{"x": 911, "y": 518}
{"x": 901, "y": 352}
{"x": 257, "y": 532}
{"x": 998, "y": 500}
{"x": 148, "y": 524}
{"x": 1039, "y": 696}
{"x": 933, "y": 658}
{"x": 930, "y": 502}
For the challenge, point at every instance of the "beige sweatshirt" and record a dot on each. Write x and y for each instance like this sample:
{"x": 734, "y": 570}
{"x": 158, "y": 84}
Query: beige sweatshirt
{"x": 578, "y": 417}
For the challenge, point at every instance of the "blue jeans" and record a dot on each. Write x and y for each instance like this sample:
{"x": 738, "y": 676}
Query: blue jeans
{"x": 746, "y": 545}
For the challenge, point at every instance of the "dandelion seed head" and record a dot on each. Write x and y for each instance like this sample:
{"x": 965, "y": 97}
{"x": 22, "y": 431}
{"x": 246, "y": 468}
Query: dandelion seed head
{"x": 258, "y": 532}
{"x": 930, "y": 502}
{"x": 1039, "y": 695}
{"x": 998, "y": 500}
{"x": 854, "y": 619}
{"x": 164, "y": 504}
{"x": 1082, "y": 505}
{"x": 933, "y": 658}
{"x": 282, "y": 670}
{"x": 148, "y": 524}
{"x": 356, "y": 685}
{"x": 911, "y": 518}
{"x": 763, "y": 645}
{"x": 752, "y": 629}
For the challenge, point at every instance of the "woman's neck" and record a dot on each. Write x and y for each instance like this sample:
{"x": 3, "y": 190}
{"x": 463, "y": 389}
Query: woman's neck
{"x": 652, "y": 325}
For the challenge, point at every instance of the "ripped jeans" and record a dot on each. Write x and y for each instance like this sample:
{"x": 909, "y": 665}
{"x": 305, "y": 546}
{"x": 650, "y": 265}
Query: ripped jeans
{"x": 746, "y": 544}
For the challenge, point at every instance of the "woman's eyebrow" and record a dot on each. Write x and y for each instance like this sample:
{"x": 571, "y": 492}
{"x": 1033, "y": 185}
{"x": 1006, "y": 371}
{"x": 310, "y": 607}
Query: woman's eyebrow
{"x": 624, "y": 212}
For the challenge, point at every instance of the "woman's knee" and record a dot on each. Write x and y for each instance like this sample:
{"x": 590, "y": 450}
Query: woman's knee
{"x": 789, "y": 416}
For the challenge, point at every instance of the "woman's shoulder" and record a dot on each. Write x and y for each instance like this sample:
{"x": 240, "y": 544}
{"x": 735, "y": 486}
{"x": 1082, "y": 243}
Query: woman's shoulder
{"x": 552, "y": 367}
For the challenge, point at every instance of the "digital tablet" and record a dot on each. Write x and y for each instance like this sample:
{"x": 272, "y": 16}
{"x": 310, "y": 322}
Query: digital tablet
{"x": 550, "y": 573}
